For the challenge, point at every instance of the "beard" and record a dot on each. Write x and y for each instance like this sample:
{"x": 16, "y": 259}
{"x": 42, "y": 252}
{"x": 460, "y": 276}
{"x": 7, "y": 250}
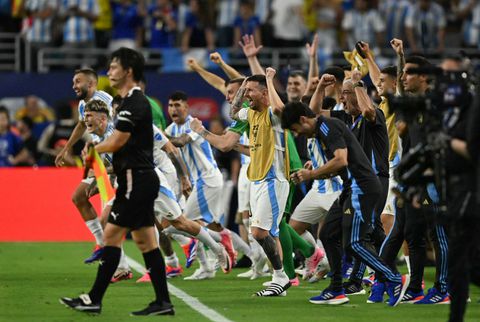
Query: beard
{"x": 83, "y": 94}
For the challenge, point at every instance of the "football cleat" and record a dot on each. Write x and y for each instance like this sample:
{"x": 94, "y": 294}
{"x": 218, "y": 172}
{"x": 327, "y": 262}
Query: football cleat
{"x": 434, "y": 296}
{"x": 397, "y": 290}
{"x": 228, "y": 244}
{"x": 121, "y": 275}
{"x": 200, "y": 274}
{"x": 156, "y": 309}
{"x": 376, "y": 293}
{"x": 145, "y": 278}
{"x": 83, "y": 303}
{"x": 173, "y": 271}
{"x": 95, "y": 256}
{"x": 330, "y": 297}
{"x": 190, "y": 251}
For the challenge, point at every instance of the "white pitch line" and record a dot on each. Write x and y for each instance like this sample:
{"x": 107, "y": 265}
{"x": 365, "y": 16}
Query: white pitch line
{"x": 193, "y": 302}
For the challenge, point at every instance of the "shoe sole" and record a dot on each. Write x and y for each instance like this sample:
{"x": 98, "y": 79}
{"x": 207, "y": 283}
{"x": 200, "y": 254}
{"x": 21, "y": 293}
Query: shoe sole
{"x": 331, "y": 302}
{"x": 404, "y": 289}
{"x": 362, "y": 292}
{"x": 164, "y": 312}
{"x": 75, "y": 309}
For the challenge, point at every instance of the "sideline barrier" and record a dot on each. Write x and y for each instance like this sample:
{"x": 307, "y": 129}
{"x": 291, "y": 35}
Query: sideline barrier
{"x": 36, "y": 205}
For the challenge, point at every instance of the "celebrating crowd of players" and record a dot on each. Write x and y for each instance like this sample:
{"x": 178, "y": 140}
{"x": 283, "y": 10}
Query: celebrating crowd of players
{"x": 327, "y": 134}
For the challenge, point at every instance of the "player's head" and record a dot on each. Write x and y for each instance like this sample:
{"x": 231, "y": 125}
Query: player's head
{"x": 415, "y": 83}
{"x": 256, "y": 92}
{"x": 232, "y": 86}
{"x": 96, "y": 116}
{"x": 387, "y": 83}
{"x": 126, "y": 65}
{"x": 349, "y": 98}
{"x": 84, "y": 83}
{"x": 178, "y": 107}
{"x": 296, "y": 85}
{"x": 4, "y": 119}
{"x": 299, "y": 118}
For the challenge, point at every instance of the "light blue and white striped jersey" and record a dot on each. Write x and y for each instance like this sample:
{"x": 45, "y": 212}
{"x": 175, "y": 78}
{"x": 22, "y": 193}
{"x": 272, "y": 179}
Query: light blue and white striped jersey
{"x": 471, "y": 25}
{"x": 244, "y": 159}
{"x": 78, "y": 29}
{"x": 363, "y": 26}
{"x": 426, "y": 24}
{"x": 98, "y": 95}
{"x": 41, "y": 29}
{"x": 198, "y": 155}
{"x": 97, "y": 139}
{"x": 318, "y": 158}
{"x": 394, "y": 12}
{"x": 160, "y": 157}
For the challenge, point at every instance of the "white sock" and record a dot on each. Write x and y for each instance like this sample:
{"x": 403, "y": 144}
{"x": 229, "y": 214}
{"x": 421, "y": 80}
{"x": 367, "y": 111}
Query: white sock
{"x": 309, "y": 238}
{"x": 407, "y": 261}
{"x": 123, "y": 264}
{"x": 215, "y": 235}
{"x": 279, "y": 276}
{"x": 202, "y": 257}
{"x": 207, "y": 239}
{"x": 240, "y": 244}
{"x": 96, "y": 229}
{"x": 172, "y": 260}
{"x": 182, "y": 240}
{"x": 157, "y": 236}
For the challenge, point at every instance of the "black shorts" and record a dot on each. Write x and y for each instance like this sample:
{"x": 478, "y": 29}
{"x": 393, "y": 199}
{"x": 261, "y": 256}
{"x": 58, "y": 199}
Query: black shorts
{"x": 134, "y": 200}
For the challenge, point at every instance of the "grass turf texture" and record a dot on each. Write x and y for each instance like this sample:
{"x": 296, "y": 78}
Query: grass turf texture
{"x": 35, "y": 275}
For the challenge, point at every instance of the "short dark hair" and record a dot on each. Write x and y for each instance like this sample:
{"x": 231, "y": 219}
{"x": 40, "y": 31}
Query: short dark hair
{"x": 238, "y": 80}
{"x": 260, "y": 79}
{"x": 417, "y": 60}
{"x": 87, "y": 71}
{"x": 328, "y": 103}
{"x": 293, "y": 111}
{"x": 130, "y": 58}
{"x": 28, "y": 122}
{"x": 336, "y": 71}
{"x": 5, "y": 110}
{"x": 390, "y": 71}
{"x": 298, "y": 73}
{"x": 178, "y": 96}
{"x": 97, "y": 106}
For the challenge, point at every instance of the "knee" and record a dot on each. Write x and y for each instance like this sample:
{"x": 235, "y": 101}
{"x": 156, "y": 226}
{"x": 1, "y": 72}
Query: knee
{"x": 259, "y": 234}
{"x": 79, "y": 198}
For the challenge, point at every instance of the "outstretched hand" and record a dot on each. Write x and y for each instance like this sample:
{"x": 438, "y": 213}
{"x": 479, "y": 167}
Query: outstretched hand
{"x": 248, "y": 46}
{"x": 312, "y": 49}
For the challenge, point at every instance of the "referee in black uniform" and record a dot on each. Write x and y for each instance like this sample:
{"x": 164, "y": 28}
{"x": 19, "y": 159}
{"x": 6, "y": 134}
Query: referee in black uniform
{"x": 351, "y": 215}
{"x": 138, "y": 185}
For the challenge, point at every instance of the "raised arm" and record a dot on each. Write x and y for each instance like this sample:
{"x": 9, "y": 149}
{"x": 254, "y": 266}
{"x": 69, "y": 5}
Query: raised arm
{"x": 227, "y": 69}
{"x": 275, "y": 100}
{"x": 397, "y": 45}
{"x": 313, "y": 62}
{"x": 237, "y": 101}
{"x": 319, "y": 94}
{"x": 180, "y": 167}
{"x": 212, "y": 79}
{"x": 373, "y": 69}
{"x": 251, "y": 51}
{"x": 224, "y": 143}
{"x": 364, "y": 102}
{"x": 181, "y": 140}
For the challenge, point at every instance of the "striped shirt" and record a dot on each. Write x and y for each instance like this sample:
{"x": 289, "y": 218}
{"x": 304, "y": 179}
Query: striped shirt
{"x": 41, "y": 29}
{"x": 97, "y": 139}
{"x": 160, "y": 157}
{"x": 471, "y": 24}
{"x": 318, "y": 158}
{"x": 395, "y": 13}
{"x": 426, "y": 24}
{"x": 78, "y": 29}
{"x": 197, "y": 154}
{"x": 98, "y": 95}
{"x": 363, "y": 26}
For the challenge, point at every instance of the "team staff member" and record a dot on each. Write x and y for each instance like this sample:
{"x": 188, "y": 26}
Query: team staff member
{"x": 138, "y": 185}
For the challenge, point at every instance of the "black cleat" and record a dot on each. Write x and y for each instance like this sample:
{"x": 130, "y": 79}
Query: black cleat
{"x": 156, "y": 309}
{"x": 83, "y": 303}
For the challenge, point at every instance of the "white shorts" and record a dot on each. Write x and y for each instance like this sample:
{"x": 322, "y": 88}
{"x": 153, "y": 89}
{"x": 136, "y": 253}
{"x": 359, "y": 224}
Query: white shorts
{"x": 174, "y": 184}
{"x": 166, "y": 205}
{"x": 390, "y": 203}
{"x": 314, "y": 206}
{"x": 267, "y": 204}
{"x": 243, "y": 190}
{"x": 205, "y": 203}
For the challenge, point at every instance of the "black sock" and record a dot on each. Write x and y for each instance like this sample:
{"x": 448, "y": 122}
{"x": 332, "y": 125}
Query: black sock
{"x": 106, "y": 269}
{"x": 270, "y": 247}
{"x": 156, "y": 266}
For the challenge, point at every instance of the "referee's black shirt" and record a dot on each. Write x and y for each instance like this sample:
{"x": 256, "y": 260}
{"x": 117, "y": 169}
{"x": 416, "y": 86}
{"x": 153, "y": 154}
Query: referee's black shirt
{"x": 334, "y": 134}
{"x": 134, "y": 116}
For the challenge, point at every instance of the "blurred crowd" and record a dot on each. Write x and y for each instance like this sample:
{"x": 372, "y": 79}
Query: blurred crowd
{"x": 425, "y": 25}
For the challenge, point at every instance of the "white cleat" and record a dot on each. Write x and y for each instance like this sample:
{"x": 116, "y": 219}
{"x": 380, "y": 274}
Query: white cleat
{"x": 200, "y": 274}
{"x": 247, "y": 274}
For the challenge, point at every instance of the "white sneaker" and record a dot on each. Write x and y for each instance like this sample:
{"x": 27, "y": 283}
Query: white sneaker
{"x": 200, "y": 274}
{"x": 247, "y": 274}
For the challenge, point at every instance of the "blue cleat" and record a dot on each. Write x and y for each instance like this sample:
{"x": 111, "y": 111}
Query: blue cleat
{"x": 190, "y": 251}
{"x": 376, "y": 294}
{"x": 330, "y": 297}
{"x": 96, "y": 255}
{"x": 397, "y": 290}
{"x": 411, "y": 297}
{"x": 434, "y": 296}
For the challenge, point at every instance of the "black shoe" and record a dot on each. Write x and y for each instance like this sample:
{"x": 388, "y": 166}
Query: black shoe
{"x": 156, "y": 309}
{"x": 353, "y": 288}
{"x": 244, "y": 262}
{"x": 83, "y": 303}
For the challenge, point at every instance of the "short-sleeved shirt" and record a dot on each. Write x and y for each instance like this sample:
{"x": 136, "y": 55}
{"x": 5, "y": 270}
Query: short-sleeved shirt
{"x": 363, "y": 25}
{"x": 319, "y": 158}
{"x": 332, "y": 134}
{"x": 372, "y": 136}
{"x": 135, "y": 117}
{"x": 10, "y": 145}
{"x": 425, "y": 24}
{"x": 248, "y": 26}
{"x": 78, "y": 29}
{"x": 160, "y": 157}
{"x": 97, "y": 139}
{"x": 160, "y": 34}
{"x": 98, "y": 95}
{"x": 126, "y": 20}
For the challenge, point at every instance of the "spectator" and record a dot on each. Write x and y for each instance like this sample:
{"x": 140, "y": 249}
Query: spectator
{"x": 163, "y": 25}
{"x": 469, "y": 11}
{"x": 425, "y": 27}
{"x": 227, "y": 12}
{"x": 395, "y": 14}
{"x": 41, "y": 13}
{"x": 362, "y": 24}
{"x": 56, "y": 136}
{"x": 127, "y": 25}
{"x": 40, "y": 115}
{"x": 103, "y": 24}
{"x": 12, "y": 151}
{"x": 79, "y": 17}
{"x": 327, "y": 15}
{"x": 246, "y": 23}
{"x": 288, "y": 28}
{"x": 25, "y": 127}
{"x": 198, "y": 32}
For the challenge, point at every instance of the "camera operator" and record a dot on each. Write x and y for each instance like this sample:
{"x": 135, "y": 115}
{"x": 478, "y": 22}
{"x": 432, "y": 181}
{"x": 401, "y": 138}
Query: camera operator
{"x": 421, "y": 212}
{"x": 463, "y": 219}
